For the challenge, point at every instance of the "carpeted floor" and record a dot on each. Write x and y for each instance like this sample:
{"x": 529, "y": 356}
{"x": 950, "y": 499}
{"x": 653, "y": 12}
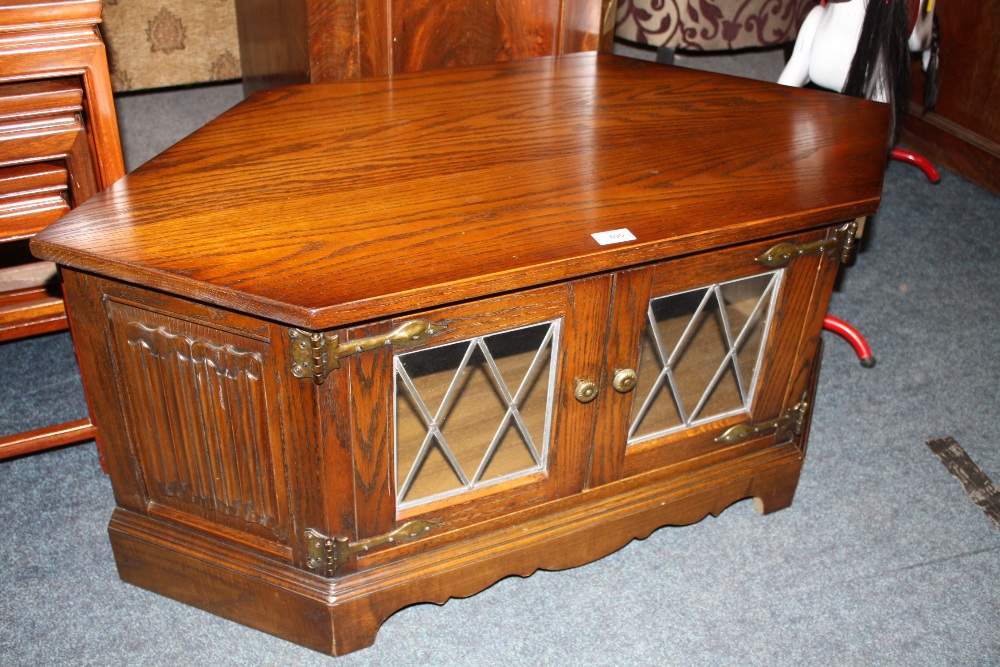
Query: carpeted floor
{"x": 883, "y": 558}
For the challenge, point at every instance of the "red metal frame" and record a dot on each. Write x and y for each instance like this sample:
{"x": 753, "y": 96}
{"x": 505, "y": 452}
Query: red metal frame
{"x": 918, "y": 161}
{"x": 852, "y": 336}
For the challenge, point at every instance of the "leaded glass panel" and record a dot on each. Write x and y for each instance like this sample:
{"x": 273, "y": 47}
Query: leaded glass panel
{"x": 473, "y": 412}
{"x": 701, "y": 353}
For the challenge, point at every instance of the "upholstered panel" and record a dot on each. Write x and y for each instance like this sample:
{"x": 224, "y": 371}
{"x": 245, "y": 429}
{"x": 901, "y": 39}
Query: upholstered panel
{"x": 160, "y": 43}
{"x": 710, "y": 25}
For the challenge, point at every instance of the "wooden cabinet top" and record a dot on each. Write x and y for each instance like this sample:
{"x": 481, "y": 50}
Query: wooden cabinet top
{"x": 324, "y": 205}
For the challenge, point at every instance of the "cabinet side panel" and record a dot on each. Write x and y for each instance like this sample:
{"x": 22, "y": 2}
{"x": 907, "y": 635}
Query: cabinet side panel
{"x": 341, "y": 38}
{"x": 98, "y": 367}
{"x": 968, "y": 94}
{"x": 201, "y": 420}
{"x": 807, "y": 355}
{"x": 371, "y": 382}
{"x": 799, "y": 325}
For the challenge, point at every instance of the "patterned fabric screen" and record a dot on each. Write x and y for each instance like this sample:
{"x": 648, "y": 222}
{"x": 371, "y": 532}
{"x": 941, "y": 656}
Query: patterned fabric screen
{"x": 711, "y": 25}
{"x": 162, "y": 43}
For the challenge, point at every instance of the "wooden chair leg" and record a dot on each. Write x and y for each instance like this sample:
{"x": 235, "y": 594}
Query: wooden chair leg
{"x": 48, "y": 437}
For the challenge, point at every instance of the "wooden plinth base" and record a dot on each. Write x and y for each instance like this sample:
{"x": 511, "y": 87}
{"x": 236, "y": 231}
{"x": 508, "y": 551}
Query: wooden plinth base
{"x": 343, "y": 614}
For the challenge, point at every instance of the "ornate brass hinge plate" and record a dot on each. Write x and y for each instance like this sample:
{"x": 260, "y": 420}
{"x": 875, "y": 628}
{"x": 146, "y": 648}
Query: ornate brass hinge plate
{"x": 326, "y": 554}
{"x": 841, "y": 242}
{"x": 315, "y": 354}
{"x": 785, "y": 427}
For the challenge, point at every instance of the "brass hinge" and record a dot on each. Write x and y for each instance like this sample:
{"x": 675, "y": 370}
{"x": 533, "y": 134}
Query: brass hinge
{"x": 842, "y": 242}
{"x": 314, "y": 354}
{"x": 326, "y": 554}
{"x": 785, "y": 427}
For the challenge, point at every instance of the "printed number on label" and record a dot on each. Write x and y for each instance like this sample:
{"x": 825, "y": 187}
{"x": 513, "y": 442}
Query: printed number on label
{"x": 614, "y": 236}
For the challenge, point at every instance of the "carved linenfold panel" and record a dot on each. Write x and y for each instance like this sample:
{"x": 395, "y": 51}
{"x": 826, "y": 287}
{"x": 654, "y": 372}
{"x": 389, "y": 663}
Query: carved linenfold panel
{"x": 225, "y": 361}
{"x": 200, "y": 417}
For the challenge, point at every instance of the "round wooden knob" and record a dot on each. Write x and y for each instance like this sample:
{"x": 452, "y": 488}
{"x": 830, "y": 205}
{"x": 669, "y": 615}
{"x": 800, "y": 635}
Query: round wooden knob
{"x": 625, "y": 380}
{"x": 585, "y": 391}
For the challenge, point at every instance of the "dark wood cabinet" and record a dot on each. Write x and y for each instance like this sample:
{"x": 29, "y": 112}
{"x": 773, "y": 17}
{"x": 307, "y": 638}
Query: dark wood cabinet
{"x": 286, "y": 42}
{"x": 962, "y": 132}
{"x": 460, "y": 325}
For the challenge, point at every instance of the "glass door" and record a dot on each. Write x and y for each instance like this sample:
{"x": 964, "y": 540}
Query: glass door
{"x": 475, "y": 412}
{"x": 480, "y": 418}
{"x": 700, "y": 344}
{"x": 701, "y": 354}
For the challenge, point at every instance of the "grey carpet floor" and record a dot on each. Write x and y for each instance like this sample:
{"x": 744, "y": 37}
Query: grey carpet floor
{"x": 883, "y": 559}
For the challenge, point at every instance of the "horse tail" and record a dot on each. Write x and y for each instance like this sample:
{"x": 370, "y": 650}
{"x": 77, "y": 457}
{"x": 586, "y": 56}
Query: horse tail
{"x": 881, "y": 62}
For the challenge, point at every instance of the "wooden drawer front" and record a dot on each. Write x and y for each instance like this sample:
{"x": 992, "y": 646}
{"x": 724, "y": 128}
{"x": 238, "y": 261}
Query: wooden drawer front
{"x": 23, "y": 218}
{"x": 29, "y": 311}
{"x": 43, "y": 121}
{"x": 47, "y": 97}
{"x": 46, "y": 138}
{"x": 18, "y": 181}
{"x": 31, "y": 197}
{"x": 39, "y": 119}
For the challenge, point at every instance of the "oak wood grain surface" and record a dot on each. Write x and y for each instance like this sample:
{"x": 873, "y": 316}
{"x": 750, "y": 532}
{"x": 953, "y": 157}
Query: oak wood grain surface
{"x": 323, "y": 205}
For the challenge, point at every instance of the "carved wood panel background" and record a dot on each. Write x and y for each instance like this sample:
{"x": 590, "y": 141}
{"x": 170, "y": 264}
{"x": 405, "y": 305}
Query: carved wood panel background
{"x": 201, "y": 419}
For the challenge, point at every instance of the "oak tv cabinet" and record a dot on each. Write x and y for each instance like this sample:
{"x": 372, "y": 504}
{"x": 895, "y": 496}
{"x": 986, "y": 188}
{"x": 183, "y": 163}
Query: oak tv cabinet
{"x": 379, "y": 342}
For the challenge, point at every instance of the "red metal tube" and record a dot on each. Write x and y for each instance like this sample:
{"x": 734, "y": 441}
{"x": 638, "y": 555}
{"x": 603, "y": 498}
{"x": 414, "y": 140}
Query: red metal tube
{"x": 918, "y": 161}
{"x": 852, "y": 336}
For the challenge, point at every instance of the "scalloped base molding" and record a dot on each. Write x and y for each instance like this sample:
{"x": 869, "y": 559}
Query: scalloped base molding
{"x": 340, "y": 615}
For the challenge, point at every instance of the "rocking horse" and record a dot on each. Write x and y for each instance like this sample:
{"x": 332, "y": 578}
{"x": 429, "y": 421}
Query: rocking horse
{"x": 862, "y": 48}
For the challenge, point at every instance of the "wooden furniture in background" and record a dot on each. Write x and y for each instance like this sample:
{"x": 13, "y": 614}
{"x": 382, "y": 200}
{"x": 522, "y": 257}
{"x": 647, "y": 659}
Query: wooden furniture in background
{"x": 58, "y": 146}
{"x": 963, "y": 132}
{"x": 458, "y": 325}
{"x": 286, "y": 42}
